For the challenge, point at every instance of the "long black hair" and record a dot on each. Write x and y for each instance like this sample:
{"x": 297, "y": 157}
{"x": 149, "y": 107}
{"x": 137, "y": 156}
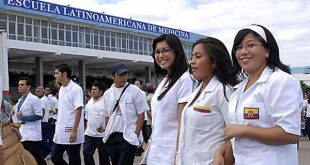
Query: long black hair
{"x": 273, "y": 60}
{"x": 219, "y": 54}
{"x": 180, "y": 64}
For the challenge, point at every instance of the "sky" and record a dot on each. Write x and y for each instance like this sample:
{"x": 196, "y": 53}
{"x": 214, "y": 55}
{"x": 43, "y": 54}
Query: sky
{"x": 288, "y": 20}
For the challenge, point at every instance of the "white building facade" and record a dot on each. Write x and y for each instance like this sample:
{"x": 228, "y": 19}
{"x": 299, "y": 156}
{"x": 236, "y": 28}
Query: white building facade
{"x": 35, "y": 36}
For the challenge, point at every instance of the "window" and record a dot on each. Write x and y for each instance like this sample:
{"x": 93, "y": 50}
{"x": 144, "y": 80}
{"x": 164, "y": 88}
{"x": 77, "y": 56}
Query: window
{"x": 53, "y": 33}
{"x": 68, "y": 35}
{"x": 107, "y": 40}
{"x": 124, "y": 43}
{"x": 20, "y": 28}
{"x": 88, "y": 38}
{"x": 3, "y": 25}
{"x": 28, "y": 29}
{"x": 12, "y": 33}
{"x": 3, "y": 21}
{"x": 101, "y": 39}
{"x": 12, "y": 18}
{"x": 20, "y": 31}
{"x": 12, "y": 27}
{"x": 3, "y": 16}
{"x": 135, "y": 44}
{"x": 44, "y": 31}
{"x": 36, "y": 30}
{"x": 75, "y": 36}
{"x": 61, "y": 34}
{"x": 96, "y": 39}
{"x": 61, "y": 37}
{"x": 113, "y": 41}
{"x": 81, "y": 37}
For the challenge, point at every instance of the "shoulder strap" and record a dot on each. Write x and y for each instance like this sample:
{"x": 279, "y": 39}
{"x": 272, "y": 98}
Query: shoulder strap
{"x": 117, "y": 102}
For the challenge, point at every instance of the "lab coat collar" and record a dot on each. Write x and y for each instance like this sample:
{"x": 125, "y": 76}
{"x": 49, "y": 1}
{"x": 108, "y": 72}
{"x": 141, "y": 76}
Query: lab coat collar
{"x": 265, "y": 75}
{"x": 113, "y": 85}
{"x": 213, "y": 83}
{"x": 69, "y": 86}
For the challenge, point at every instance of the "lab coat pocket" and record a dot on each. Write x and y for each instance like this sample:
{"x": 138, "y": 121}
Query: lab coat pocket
{"x": 202, "y": 158}
{"x": 165, "y": 152}
{"x": 130, "y": 109}
{"x": 201, "y": 121}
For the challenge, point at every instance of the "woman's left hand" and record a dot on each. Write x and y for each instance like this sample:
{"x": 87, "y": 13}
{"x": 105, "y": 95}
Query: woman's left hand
{"x": 234, "y": 130}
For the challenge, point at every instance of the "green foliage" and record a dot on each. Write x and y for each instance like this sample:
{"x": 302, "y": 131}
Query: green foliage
{"x": 304, "y": 87}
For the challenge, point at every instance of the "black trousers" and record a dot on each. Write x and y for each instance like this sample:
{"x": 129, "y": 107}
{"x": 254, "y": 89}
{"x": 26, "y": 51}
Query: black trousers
{"x": 122, "y": 153}
{"x": 308, "y": 126}
{"x": 89, "y": 147}
{"x": 35, "y": 148}
{"x": 73, "y": 152}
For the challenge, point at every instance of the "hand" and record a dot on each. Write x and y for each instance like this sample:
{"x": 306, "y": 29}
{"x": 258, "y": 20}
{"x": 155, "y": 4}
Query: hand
{"x": 234, "y": 130}
{"x": 73, "y": 136}
{"x": 19, "y": 115}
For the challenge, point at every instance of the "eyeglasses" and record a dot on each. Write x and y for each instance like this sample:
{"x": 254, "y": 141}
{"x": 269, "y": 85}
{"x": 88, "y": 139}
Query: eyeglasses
{"x": 163, "y": 51}
{"x": 248, "y": 47}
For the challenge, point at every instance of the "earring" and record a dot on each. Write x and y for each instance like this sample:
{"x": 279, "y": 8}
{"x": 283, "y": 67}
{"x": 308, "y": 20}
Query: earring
{"x": 267, "y": 55}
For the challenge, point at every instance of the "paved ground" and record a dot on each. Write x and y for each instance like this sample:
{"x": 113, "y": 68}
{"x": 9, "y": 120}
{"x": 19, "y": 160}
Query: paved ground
{"x": 303, "y": 151}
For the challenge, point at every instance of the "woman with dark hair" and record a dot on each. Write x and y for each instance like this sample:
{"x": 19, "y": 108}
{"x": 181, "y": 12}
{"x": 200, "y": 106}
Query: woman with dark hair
{"x": 205, "y": 115}
{"x": 169, "y": 98}
{"x": 264, "y": 112}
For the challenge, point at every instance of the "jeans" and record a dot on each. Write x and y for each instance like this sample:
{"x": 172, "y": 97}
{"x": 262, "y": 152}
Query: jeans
{"x": 73, "y": 152}
{"x": 122, "y": 153}
{"x": 89, "y": 147}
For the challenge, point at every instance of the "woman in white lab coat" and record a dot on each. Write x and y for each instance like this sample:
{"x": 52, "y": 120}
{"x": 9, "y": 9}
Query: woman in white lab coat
{"x": 205, "y": 115}
{"x": 168, "y": 100}
{"x": 264, "y": 112}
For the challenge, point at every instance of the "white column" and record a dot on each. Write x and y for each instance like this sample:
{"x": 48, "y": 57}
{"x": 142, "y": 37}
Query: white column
{"x": 4, "y": 62}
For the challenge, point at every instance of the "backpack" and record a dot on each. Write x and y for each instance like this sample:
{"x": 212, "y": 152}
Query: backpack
{"x": 13, "y": 150}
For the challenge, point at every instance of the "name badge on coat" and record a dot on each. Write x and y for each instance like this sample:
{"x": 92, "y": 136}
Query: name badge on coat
{"x": 250, "y": 113}
{"x": 203, "y": 109}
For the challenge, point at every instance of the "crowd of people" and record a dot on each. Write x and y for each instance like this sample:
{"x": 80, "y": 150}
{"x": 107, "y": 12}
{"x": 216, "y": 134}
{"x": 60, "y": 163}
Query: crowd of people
{"x": 214, "y": 109}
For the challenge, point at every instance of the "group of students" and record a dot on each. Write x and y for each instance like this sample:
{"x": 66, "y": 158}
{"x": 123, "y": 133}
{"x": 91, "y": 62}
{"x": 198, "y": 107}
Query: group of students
{"x": 197, "y": 115}
{"x": 258, "y": 123}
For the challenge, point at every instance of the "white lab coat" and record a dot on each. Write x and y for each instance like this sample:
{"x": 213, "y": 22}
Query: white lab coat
{"x": 46, "y": 104}
{"x": 162, "y": 146}
{"x": 94, "y": 115}
{"x": 31, "y": 131}
{"x": 70, "y": 99}
{"x": 131, "y": 104}
{"x": 275, "y": 99}
{"x": 202, "y": 124}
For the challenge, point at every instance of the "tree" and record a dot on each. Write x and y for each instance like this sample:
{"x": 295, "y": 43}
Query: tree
{"x": 304, "y": 87}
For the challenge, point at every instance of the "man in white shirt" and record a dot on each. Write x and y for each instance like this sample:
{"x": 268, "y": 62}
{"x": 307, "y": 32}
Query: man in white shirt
{"x": 140, "y": 150}
{"x": 94, "y": 132}
{"x": 125, "y": 105}
{"x": 29, "y": 113}
{"x": 47, "y": 126}
{"x": 39, "y": 92}
{"x": 70, "y": 125}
